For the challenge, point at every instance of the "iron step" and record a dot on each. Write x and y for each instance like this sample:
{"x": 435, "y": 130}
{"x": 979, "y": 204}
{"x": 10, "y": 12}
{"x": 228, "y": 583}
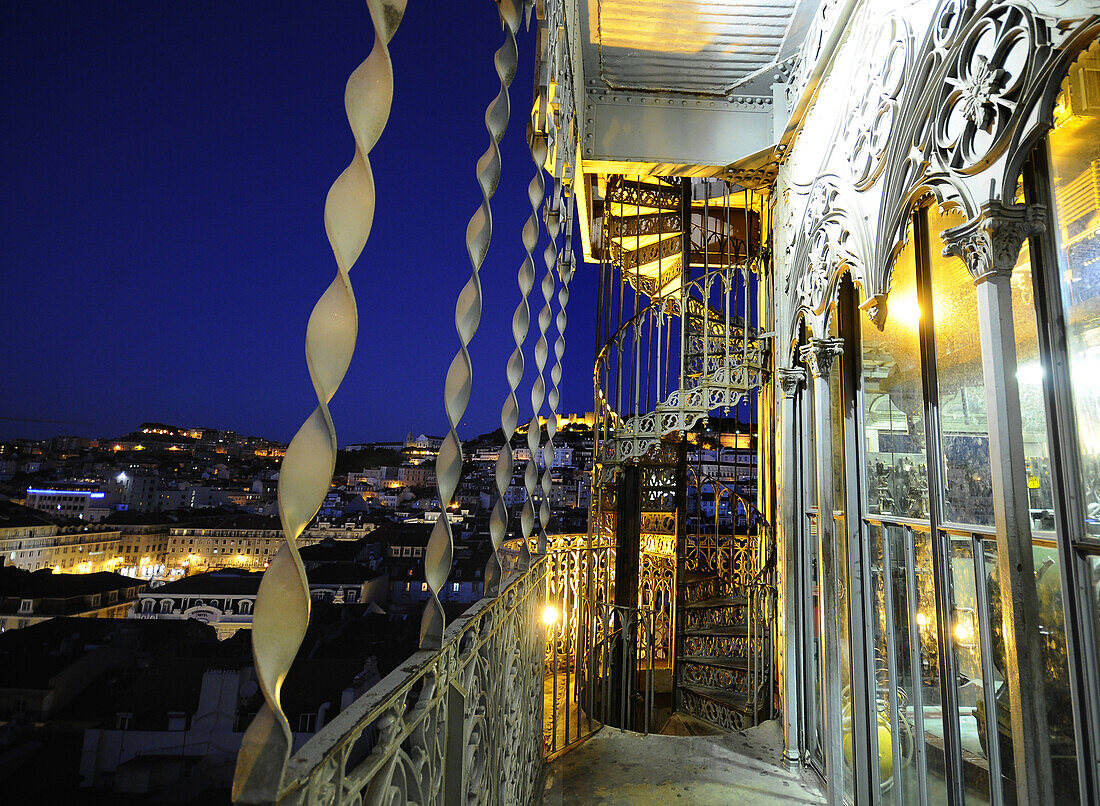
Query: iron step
{"x": 643, "y": 194}
{"x": 718, "y": 631}
{"x": 723, "y": 709}
{"x": 718, "y": 662}
{"x": 719, "y": 601}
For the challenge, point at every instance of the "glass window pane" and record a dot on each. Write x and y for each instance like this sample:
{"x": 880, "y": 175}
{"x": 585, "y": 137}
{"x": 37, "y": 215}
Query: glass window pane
{"x": 964, "y": 433}
{"x": 894, "y": 669}
{"x": 1029, "y": 376}
{"x": 927, "y": 639}
{"x": 966, "y": 644}
{"x": 897, "y": 478}
{"x": 1059, "y": 705}
{"x": 1075, "y": 158}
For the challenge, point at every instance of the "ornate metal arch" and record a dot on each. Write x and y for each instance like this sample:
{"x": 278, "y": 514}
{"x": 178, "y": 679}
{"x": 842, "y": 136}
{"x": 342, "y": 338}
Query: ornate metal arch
{"x": 1035, "y": 109}
{"x": 938, "y": 188}
{"x": 832, "y": 239}
{"x": 801, "y": 315}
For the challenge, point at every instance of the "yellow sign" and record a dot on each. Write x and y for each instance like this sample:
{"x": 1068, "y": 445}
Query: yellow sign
{"x": 1033, "y": 482}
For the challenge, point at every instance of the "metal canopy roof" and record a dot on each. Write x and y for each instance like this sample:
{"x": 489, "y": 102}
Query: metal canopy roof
{"x": 688, "y": 46}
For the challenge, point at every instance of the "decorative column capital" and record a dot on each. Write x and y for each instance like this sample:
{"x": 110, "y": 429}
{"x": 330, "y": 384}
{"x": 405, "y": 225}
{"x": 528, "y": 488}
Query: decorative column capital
{"x": 818, "y": 355}
{"x": 790, "y": 378}
{"x": 989, "y": 244}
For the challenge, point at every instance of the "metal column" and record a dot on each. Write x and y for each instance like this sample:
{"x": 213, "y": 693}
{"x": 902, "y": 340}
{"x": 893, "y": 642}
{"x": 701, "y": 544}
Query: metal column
{"x": 992, "y": 270}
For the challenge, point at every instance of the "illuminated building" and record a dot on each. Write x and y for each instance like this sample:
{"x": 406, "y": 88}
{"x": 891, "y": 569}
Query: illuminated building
{"x": 82, "y": 502}
{"x": 225, "y": 598}
{"x": 29, "y": 542}
{"x": 241, "y": 541}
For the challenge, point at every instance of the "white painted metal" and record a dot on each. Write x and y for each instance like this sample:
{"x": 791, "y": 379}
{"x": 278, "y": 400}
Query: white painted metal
{"x": 282, "y": 604}
{"x": 396, "y": 743}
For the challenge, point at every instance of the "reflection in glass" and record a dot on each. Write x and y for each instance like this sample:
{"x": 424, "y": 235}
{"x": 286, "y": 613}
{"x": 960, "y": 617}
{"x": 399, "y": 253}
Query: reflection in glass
{"x": 969, "y": 683}
{"x": 1075, "y": 158}
{"x": 1029, "y": 377}
{"x": 897, "y": 478}
{"x": 815, "y": 666}
{"x": 964, "y": 433}
{"x": 893, "y": 666}
{"x": 840, "y": 536}
{"x": 1052, "y": 626}
{"x": 926, "y": 632}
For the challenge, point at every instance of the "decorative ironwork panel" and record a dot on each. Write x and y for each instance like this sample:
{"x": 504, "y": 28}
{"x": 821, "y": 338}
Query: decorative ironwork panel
{"x": 644, "y": 194}
{"x": 657, "y": 592}
{"x": 700, "y": 674}
{"x": 732, "y": 615}
{"x": 724, "y": 716}
{"x": 390, "y": 746}
{"x": 732, "y": 557}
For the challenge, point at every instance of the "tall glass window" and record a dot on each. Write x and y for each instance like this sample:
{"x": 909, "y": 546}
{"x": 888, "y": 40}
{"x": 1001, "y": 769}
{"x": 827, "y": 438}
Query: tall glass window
{"x": 964, "y": 432}
{"x": 893, "y": 403}
{"x": 1075, "y": 158}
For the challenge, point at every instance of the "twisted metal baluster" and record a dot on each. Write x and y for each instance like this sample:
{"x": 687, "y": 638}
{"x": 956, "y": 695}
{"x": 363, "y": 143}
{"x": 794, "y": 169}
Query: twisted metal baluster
{"x": 282, "y": 604}
{"x": 509, "y": 414}
{"x": 538, "y": 387}
{"x": 565, "y": 273}
{"x": 437, "y": 560}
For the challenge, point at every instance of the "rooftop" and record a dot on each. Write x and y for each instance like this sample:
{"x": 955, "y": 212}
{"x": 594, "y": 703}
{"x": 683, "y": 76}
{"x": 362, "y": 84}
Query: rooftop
{"x": 45, "y": 584}
{"x": 15, "y": 516}
{"x": 228, "y": 581}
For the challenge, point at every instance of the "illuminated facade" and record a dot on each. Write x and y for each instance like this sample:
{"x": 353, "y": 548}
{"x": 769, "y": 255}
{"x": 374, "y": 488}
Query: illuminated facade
{"x": 86, "y": 503}
{"x": 192, "y": 549}
{"x": 856, "y": 240}
{"x": 32, "y": 544}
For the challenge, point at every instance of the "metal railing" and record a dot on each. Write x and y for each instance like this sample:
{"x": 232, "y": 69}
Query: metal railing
{"x": 602, "y": 660}
{"x": 461, "y": 724}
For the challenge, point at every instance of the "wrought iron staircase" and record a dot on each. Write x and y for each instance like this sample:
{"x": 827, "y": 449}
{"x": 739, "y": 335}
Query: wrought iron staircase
{"x": 684, "y": 257}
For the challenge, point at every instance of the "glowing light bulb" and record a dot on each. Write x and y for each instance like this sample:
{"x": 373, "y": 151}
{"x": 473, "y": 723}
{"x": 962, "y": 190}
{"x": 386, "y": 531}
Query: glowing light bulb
{"x": 964, "y": 633}
{"x": 549, "y": 614}
{"x": 922, "y": 620}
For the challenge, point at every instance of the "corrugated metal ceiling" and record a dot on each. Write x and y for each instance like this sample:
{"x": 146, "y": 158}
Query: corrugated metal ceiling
{"x": 684, "y": 45}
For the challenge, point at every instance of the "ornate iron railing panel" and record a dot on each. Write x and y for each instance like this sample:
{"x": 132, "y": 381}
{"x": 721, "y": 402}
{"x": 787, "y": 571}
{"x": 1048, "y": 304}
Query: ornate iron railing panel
{"x": 466, "y": 717}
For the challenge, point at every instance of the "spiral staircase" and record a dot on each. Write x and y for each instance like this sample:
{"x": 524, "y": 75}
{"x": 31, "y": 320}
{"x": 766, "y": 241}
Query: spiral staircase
{"x": 652, "y": 226}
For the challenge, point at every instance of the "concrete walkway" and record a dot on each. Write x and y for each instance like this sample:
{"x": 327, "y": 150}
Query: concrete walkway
{"x": 619, "y": 768}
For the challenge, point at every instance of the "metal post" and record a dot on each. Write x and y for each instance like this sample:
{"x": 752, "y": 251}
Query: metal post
{"x": 625, "y": 660}
{"x": 863, "y": 702}
{"x": 454, "y": 786}
{"x": 941, "y": 558}
{"x": 990, "y": 244}
{"x": 685, "y": 276}
{"x": 818, "y": 355}
{"x": 681, "y": 554}
{"x": 789, "y": 382}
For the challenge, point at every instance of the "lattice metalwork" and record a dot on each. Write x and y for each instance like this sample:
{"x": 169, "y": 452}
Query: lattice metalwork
{"x": 571, "y": 569}
{"x": 659, "y": 523}
{"x": 474, "y": 705}
{"x": 649, "y": 195}
{"x": 732, "y": 557}
{"x": 657, "y": 592}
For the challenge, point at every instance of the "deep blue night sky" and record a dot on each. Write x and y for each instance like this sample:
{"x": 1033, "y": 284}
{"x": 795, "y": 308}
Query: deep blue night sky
{"x": 165, "y": 171}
